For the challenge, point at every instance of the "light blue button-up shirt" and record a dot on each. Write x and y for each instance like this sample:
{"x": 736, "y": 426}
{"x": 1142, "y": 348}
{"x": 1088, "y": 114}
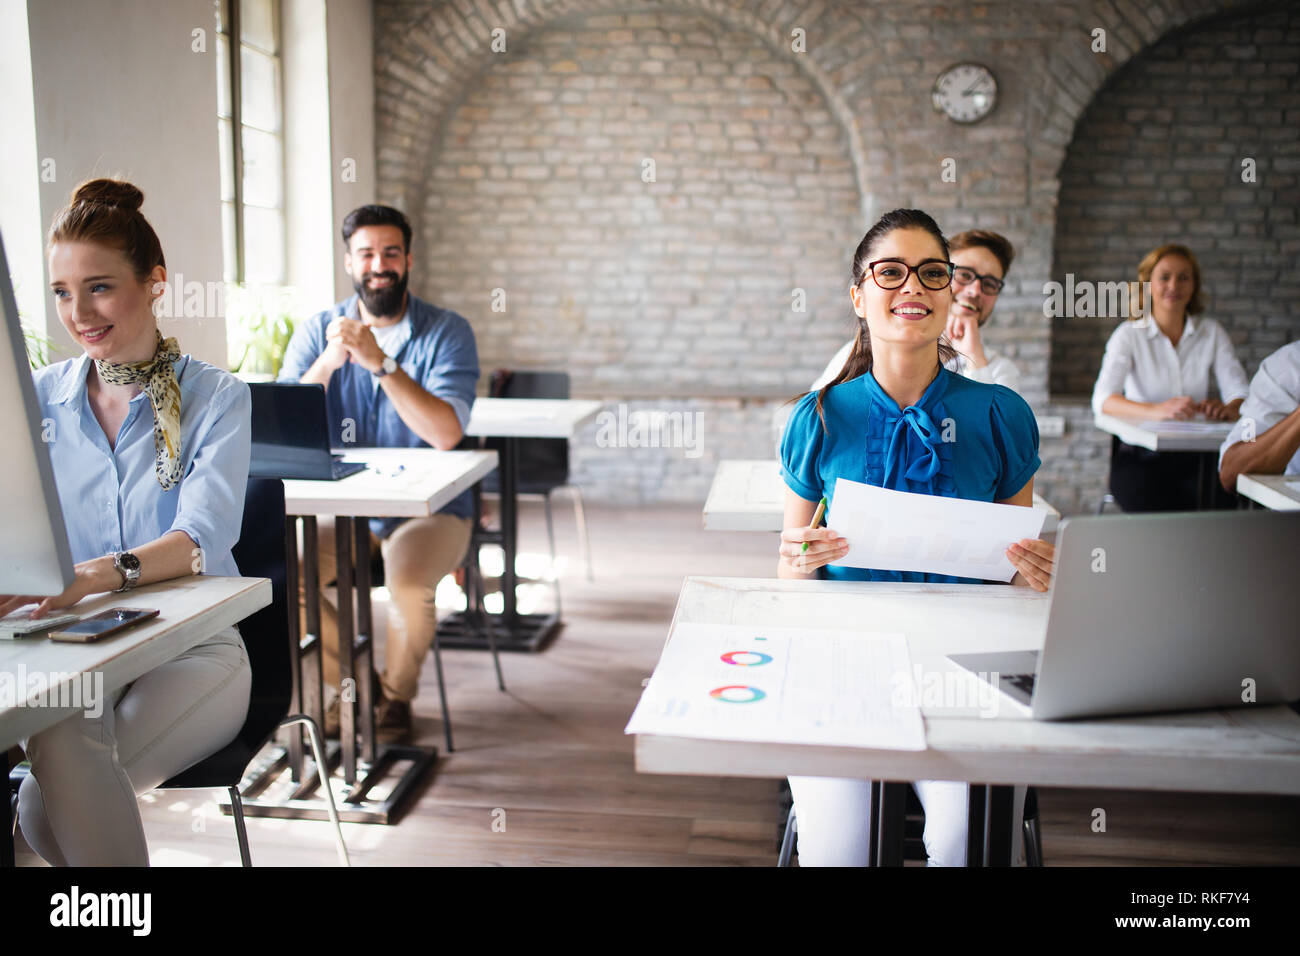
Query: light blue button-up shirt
{"x": 436, "y": 349}
{"x": 110, "y": 496}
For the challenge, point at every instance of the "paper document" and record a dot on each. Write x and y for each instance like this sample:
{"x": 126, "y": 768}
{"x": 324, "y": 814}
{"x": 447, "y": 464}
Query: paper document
{"x": 1192, "y": 428}
{"x": 902, "y": 531}
{"x": 783, "y": 685}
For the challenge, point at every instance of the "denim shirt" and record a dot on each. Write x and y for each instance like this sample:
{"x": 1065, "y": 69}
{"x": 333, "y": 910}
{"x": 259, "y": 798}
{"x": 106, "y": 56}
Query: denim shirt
{"x": 110, "y": 496}
{"x": 438, "y": 352}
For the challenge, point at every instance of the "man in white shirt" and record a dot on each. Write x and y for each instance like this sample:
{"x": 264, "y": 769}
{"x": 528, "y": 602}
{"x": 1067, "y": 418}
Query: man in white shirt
{"x": 1266, "y": 438}
{"x": 981, "y": 260}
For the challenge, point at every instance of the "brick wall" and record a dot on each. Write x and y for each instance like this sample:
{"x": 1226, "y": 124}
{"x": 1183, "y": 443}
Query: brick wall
{"x": 521, "y": 170}
{"x": 647, "y": 191}
{"x": 1158, "y": 158}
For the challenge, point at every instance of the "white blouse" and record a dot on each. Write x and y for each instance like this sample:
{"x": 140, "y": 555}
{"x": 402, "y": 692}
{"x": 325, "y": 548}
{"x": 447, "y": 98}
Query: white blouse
{"x": 1142, "y": 364}
{"x": 1274, "y": 394}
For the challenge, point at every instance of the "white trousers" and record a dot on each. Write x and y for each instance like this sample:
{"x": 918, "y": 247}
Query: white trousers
{"x": 834, "y": 820}
{"x": 78, "y": 806}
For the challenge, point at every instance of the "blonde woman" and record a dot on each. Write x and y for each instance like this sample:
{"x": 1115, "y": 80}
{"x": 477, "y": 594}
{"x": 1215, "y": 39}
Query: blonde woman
{"x": 1158, "y": 367}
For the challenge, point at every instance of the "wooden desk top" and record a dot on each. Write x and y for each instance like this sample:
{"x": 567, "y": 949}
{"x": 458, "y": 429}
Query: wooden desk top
{"x": 1238, "y": 750}
{"x": 530, "y": 417}
{"x": 400, "y": 483}
{"x": 1199, "y": 436}
{"x": 1278, "y": 492}
{"x": 192, "y": 610}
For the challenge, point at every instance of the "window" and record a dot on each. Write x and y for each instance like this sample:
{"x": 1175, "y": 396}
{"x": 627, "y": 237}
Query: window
{"x": 251, "y": 129}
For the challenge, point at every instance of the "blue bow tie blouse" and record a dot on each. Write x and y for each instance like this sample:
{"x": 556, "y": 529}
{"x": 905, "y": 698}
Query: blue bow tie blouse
{"x": 963, "y": 439}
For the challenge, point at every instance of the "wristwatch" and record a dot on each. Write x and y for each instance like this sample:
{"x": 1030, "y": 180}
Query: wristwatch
{"x": 129, "y": 566}
{"x": 387, "y": 367}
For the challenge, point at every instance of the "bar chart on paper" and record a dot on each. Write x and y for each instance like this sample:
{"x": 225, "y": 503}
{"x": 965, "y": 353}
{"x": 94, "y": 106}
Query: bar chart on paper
{"x": 783, "y": 685}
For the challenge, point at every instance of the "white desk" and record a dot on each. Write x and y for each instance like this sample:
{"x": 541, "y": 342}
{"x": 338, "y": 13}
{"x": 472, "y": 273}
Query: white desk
{"x": 511, "y": 419}
{"x": 191, "y": 610}
{"x": 400, "y": 483}
{"x": 1229, "y": 751}
{"x": 530, "y": 417}
{"x": 1277, "y": 492}
{"x": 1195, "y": 436}
{"x": 749, "y": 495}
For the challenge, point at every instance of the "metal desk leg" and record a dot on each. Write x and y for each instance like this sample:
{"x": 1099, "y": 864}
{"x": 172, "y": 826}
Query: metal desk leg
{"x": 509, "y": 472}
{"x": 999, "y": 816}
{"x": 363, "y": 657}
{"x": 312, "y": 675}
{"x": 514, "y": 631}
{"x": 347, "y": 669}
{"x": 889, "y": 814}
{"x": 975, "y": 817}
{"x": 292, "y": 589}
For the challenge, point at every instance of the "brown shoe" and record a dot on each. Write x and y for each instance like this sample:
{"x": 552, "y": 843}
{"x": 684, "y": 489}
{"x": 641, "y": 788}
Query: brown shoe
{"x": 393, "y": 720}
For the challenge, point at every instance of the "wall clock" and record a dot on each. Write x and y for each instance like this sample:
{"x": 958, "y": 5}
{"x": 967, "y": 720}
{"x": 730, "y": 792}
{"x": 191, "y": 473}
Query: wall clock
{"x": 965, "y": 92}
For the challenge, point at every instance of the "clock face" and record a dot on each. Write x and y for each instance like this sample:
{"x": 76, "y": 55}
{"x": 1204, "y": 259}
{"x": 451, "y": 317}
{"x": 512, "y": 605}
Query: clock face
{"x": 966, "y": 92}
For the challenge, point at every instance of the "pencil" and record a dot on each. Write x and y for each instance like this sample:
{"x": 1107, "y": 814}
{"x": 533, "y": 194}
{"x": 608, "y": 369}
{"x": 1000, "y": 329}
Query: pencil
{"x": 817, "y": 519}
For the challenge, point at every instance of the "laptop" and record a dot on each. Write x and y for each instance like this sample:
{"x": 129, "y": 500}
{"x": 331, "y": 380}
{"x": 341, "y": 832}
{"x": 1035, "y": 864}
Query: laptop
{"x": 291, "y": 434}
{"x": 1162, "y": 612}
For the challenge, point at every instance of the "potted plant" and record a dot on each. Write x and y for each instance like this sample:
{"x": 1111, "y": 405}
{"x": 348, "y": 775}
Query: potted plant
{"x": 260, "y": 323}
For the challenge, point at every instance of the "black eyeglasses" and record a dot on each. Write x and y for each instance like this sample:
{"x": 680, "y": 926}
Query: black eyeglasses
{"x": 990, "y": 284}
{"x": 892, "y": 273}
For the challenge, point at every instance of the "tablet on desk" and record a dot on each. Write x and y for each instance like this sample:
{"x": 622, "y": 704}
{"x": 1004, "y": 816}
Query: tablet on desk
{"x": 103, "y": 624}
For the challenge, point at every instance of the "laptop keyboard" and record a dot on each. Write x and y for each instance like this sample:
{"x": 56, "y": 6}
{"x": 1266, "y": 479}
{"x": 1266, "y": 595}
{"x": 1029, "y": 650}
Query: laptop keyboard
{"x": 1024, "y": 682}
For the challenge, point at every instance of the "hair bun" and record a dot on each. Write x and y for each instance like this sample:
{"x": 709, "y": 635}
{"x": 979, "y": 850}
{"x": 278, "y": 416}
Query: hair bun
{"x": 109, "y": 192}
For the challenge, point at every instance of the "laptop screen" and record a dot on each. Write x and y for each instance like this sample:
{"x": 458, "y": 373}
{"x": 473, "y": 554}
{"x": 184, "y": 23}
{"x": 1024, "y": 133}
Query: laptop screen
{"x": 289, "y": 422}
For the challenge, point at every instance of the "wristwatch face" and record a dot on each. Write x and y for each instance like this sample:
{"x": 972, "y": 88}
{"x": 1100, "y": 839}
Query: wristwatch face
{"x": 128, "y": 562}
{"x": 389, "y": 365}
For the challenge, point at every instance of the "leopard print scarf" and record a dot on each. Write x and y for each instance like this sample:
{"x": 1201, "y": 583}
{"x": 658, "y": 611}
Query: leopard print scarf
{"x": 157, "y": 378}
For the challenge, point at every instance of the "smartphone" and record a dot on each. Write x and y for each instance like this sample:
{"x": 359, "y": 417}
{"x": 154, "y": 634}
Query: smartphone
{"x": 103, "y": 624}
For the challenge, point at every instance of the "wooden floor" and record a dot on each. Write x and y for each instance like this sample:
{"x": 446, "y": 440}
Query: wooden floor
{"x": 549, "y": 758}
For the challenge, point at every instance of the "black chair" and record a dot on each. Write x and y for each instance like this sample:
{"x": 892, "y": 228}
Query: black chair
{"x": 543, "y": 462}
{"x": 261, "y": 552}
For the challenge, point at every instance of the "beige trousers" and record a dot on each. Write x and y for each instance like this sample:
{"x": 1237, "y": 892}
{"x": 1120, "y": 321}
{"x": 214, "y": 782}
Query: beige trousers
{"x": 417, "y": 555}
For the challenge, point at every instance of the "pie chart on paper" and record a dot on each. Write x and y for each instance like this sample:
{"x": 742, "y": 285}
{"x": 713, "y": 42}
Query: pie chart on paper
{"x": 747, "y": 658}
{"x": 737, "y": 694}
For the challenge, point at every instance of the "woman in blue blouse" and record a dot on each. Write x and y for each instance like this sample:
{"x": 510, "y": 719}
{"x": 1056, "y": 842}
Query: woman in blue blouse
{"x": 882, "y": 421}
{"x": 150, "y": 452}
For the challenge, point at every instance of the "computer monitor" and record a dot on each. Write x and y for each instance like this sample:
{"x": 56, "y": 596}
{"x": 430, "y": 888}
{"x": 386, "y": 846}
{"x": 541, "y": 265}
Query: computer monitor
{"x": 34, "y": 554}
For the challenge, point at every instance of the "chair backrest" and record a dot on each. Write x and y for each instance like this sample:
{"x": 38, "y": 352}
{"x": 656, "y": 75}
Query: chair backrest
{"x": 543, "y": 462}
{"x": 261, "y": 553}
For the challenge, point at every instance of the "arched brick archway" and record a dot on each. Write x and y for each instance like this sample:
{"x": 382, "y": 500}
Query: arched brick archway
{"x": 873, "y": 64}
{"x": 454, "y": 44}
